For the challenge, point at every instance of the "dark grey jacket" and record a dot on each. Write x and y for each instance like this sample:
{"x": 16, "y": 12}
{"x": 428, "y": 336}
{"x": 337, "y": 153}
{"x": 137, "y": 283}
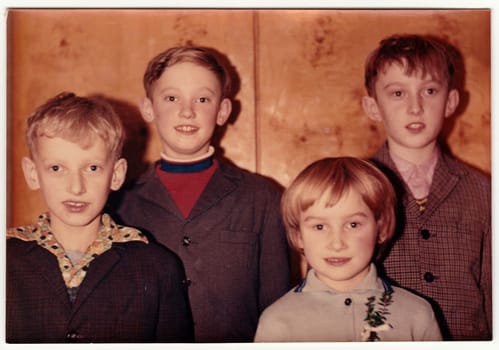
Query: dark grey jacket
{"x": 233, "y": 247}
{"x": 132, "y": 293}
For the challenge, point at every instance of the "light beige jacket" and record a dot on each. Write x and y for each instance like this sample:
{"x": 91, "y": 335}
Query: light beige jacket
{"x": 314, "y": 312}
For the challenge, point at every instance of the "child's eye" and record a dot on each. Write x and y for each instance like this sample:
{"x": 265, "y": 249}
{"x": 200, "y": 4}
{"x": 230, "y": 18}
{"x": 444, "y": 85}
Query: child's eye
{"x": 431, "y": 91}
{"x": 353, "y": 224}
{"x": 170, "y": 98}
{"x": 203, "y": 99}
{"x": 397, "y": 93}
{"x": 55, "y": 168}
{"x": 319, "y": 227}
{"x": 93, "y": 168}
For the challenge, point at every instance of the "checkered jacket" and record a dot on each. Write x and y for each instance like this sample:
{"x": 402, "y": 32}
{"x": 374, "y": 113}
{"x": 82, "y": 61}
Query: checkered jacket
{"x": 444, "y": 253}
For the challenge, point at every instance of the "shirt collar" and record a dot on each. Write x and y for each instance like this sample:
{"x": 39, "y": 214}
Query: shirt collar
{"x": 209, "y": 154}
{"x": 73, "y": 274}
{"x": 109, "y": 230}
{"x": 371, "y": 282}
{"x": 418, "y": 177}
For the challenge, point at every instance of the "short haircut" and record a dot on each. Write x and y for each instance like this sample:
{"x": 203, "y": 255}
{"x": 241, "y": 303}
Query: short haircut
{"x": 76, "y": 119}
{"x": 201, "y": 56}
{"x": 423, "y": 54}
{"x": 334, "y": 177}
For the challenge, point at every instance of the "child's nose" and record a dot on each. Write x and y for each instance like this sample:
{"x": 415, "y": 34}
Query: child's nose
{"x": 76, "y": 184}
{"x": 187, "y": 111}
{"x": 415, "y": 105}
{"x": 336, "y": 240}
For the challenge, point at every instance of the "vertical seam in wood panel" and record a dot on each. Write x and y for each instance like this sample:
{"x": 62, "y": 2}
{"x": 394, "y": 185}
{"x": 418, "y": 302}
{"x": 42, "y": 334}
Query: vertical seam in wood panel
{"x": 256, "y": 95}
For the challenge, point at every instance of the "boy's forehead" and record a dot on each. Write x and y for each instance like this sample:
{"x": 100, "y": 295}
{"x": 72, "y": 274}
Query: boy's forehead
{"x": 188, "y": 73}
{"x": 189, "y": 68}
{"x": 83, "y": 140}
{"x": 394, "y": 69}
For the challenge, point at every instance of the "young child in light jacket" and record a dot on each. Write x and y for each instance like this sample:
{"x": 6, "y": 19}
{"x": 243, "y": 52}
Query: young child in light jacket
{"x": 339, "y": 213}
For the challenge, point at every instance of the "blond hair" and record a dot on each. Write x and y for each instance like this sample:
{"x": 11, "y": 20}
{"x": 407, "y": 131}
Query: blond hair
{"x": 334, "y": 177}
{"x": 76, "y": 119}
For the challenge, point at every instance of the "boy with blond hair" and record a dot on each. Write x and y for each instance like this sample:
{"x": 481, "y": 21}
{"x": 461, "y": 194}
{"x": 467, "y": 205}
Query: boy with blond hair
{"x": 75, "y": 275}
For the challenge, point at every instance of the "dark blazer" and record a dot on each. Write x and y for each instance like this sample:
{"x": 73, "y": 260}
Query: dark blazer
{"x": 233, "y": 247}
{"x": 131, "y": 293}
{"x": 444, "y": 253}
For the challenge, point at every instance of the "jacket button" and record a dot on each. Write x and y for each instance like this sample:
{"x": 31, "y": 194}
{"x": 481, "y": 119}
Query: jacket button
{"x": 187, "y": 282}
{"x": 186, "y": 241}
{"x": 425, "y": 234}
{"x": 429, "y": 277}
{"x": 348, "y": 301}
{"x": 71, "y": 336}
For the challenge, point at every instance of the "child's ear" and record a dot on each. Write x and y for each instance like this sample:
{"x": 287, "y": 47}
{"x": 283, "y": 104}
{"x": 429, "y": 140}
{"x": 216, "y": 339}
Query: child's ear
{"x": 119, "y": 174}
{"x": 382, "y": 237}
{"x": 452, "y": 102}
{"x": 30, "y": 173}
{"x": 224, "y": 111}
{"x": 146, "y": 109}
{"x": 371, "y": 109}
{"x": 382, "y": 234}
{"x": 298, "y": 240}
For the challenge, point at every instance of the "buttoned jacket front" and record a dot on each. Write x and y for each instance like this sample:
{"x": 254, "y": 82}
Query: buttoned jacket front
{"x": 444, "y": 253}
{"x": 232, "y": 244}
{"x": 131, "y": 293}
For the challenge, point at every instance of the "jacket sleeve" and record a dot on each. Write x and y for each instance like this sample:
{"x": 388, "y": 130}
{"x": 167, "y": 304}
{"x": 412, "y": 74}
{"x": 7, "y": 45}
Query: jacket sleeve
{"x": 270, "y": 329}
{"x": 274, "y": 261}
{"x": 432, "y": 330}
{"x": 486, "y": 274}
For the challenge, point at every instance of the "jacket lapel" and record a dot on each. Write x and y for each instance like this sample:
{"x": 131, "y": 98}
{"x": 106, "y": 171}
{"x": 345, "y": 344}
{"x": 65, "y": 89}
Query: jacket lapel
{"x": 385, "y": 163}
{"x": 444, "y": 181}
{"x": 153, "y": 191}
{"x": 98, "y": 270}
{"x": 48, "y": 267}
{"x": 223, "y": 182}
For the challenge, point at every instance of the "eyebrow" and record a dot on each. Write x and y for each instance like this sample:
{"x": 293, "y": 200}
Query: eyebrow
{"x": 174, "y": 88}
{"x": 359, "y": 213}
{"x": 426, "y": 81}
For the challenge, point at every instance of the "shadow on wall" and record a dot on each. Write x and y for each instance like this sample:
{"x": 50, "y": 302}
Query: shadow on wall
{"x": 134, "y": 148}
{"x": 236, "y": 105}
{"x": 464, "y": 99}
{"x": 460, "y": 85}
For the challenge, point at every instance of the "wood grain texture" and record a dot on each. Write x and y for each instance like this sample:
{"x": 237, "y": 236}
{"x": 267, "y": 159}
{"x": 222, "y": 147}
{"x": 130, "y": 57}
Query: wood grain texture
{"x": 300, "y": 77}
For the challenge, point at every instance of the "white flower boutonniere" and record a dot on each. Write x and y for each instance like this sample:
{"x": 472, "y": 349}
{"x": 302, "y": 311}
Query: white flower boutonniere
{"x": 376, "y": 318}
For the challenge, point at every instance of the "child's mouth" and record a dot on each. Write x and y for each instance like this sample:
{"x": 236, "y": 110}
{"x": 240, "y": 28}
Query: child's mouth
{"x": 186, "y": 129}
{"x": 415, "y": 127}
{"x": 75, "y": 207}
{"x": 337, "y": 261}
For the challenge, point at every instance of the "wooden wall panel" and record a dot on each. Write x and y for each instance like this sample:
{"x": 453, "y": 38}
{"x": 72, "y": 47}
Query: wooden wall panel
{"x": 311, "y": 69}
{"x": 301, "y": 79}
{"x": 106, "y": 52}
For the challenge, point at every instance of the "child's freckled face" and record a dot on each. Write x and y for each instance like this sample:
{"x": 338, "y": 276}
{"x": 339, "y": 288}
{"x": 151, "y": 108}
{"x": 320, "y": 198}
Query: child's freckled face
{"x": 339, "y": 241}
{"x": 186, "y": 103}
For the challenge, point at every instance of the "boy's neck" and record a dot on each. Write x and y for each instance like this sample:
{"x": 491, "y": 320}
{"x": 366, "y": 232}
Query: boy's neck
{"x": 169, "y": 159}
{"x": 415, "y": 156}
{"x": 76, "y": 238}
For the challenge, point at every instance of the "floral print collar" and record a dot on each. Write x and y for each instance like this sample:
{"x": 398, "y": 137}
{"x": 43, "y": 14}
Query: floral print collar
{"x": 73, "y": 275}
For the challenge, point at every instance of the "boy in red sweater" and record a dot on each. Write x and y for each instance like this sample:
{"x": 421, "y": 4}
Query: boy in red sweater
{"x": 222, "y": 221}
